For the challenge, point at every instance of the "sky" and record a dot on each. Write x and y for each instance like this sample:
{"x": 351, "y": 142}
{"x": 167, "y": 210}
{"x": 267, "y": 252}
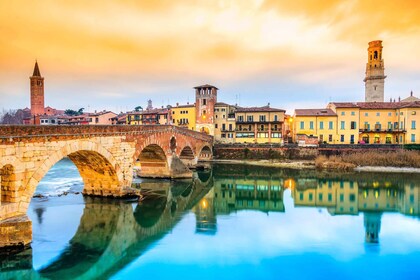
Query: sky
{"x": 116, "y": 55}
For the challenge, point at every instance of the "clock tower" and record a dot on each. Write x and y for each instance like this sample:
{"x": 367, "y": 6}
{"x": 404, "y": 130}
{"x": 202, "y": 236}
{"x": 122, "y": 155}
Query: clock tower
{"x": 37, "y": 92}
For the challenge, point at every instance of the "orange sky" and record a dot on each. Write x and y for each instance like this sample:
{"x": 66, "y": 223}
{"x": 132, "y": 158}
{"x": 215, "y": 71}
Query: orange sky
{"x": 118, "y": 54}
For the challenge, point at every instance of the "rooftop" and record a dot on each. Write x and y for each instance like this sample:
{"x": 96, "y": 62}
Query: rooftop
{"x": 314, "y": 112}
{"x": 258, "y": 109}
{"x": 205, "y": 86}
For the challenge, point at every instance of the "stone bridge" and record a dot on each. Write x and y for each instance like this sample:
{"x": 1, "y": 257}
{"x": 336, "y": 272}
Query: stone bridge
{"x": 105, "y": 157}
{"x": 112, "y": 233}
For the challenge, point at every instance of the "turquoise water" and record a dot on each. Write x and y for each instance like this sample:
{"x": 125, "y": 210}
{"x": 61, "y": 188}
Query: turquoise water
{"x": 233, "y": 222}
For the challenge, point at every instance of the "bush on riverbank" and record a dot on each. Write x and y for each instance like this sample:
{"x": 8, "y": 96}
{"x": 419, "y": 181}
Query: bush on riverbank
{"x": 400, "y": 158}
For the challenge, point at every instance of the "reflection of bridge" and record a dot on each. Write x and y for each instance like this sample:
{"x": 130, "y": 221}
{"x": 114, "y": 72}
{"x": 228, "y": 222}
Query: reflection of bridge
{"x": 104, "y": 155}
{"x": 111, "y": 235}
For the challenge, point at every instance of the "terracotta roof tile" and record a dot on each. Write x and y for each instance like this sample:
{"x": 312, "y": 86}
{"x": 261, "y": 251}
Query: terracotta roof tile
{"x": 314, "y": 112}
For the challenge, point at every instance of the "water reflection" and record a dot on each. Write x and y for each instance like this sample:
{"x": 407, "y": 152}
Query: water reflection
{"x": 113, "y": 234}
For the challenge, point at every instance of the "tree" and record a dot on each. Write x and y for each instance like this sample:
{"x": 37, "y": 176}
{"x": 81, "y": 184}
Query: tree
{"x": 70, "y": 112}
{"x": 14, "y": 116}
{"x": 138, "y": 108}
{"x": 80, "y": 112}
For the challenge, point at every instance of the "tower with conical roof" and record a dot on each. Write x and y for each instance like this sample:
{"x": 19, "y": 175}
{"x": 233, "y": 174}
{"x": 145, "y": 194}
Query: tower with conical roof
{"x": 37, "y": 92}
{"x": 375, "y": 73}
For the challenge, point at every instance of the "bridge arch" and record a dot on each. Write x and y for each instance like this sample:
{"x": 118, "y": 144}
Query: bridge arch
{"x": 205, "y": 153}
{"x": 153, "y": 162}
{"x": 97, "y": 167}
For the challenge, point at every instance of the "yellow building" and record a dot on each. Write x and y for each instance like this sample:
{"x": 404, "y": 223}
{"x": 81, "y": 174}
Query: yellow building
{"x": 348, "y": 115}
{"x": 184, "y": 116}
{"x": 358, "y": 122}
{"x": 224, "y": 123}
{"x": 409, "y": 118}
{"x": 149, "y": 117}
{"x": 311, "y": 126}
{"x": 259, "y": 125}
{"x": 133, "y": 118}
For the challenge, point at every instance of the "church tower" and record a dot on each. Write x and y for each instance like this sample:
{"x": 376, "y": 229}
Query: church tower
{"x": 205, "y": 100}
{"x": 375, "y": 77}
{"x": 37, "y": 92}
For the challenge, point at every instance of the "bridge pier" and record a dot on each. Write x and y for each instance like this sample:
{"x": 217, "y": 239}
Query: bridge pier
{"x": 15, "y": 232}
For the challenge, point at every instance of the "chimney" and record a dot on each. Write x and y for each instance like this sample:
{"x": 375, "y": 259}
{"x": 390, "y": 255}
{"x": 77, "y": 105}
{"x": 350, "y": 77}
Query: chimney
{"x": 394, "y": 100}
{"x": 411, "y": 93}
{"x": 390, "y": 100}
{"x": 399, "y": 99}
{"x": 177, "y": 104}
{"x": 188, "y": 103}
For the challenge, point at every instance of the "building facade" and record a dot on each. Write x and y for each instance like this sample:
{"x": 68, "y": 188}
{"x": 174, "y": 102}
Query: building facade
{"x": 259, "y": 125}
{"x": 183, "y": 116}
{"x": 224, "y": 123}
{"x": 358, "y": 122}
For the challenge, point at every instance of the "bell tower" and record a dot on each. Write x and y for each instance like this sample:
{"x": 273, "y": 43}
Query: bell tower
{"x": 375, "y": 73}
{"x": 205, "y": 99}
{"x": 37, "y": 92}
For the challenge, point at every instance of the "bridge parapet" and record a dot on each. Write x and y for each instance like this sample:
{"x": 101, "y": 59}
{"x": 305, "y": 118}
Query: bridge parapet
{"x": 12, "y": 133}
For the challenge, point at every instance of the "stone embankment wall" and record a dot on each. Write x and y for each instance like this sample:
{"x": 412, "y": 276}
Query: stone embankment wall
{"x": 264, "y": 152}
{"x": 292, "y": 152}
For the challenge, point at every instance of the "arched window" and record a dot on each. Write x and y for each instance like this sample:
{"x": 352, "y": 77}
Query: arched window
{"x": 375, "y": 55}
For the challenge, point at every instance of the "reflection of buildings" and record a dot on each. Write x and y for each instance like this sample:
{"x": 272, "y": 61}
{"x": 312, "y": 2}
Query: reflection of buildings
{"x": 241, "y": 193}
{"x": 351, "y": 197}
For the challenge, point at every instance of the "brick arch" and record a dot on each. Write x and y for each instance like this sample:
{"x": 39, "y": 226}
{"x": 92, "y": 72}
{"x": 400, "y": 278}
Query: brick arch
{"x": 107, "y": 176}
{"x": 205, "y": 152}
{"x": 187, "y": 152}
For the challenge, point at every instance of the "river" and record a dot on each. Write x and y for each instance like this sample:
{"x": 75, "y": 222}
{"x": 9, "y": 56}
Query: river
{"x": 230, "y": 222}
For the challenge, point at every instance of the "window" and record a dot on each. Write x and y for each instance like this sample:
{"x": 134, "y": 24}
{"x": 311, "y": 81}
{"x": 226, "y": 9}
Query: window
{"x": 413, "y": 112}
{"x": 389, "y": 114}
{"x": 321, "y": 125}
{"x": 275, "y": 118}
{"x": 204, "y": 102}
{"x": 223, "y": 126}
{"x": 341, "y": 197}
{"x": 342, "y": 138}
{"x": 351, "y": 139}
{"x": 330, "y": 138}
{"x": 240, "y": 118}
{"x": 343, "y": 125}
{"x": 343, "y": 113}
{"x": 378, "y": 114}
{"x": 353, "y": 125}
{"x": 301, "y": 196}
{"x": 302, "y": 125}
{"x": 250, "y": 118}
{"x": 389, "y": 125}
{"x": 320, "y": 197}
{"x": 353, "y": 113}
{"x": 230, "y": 127}
{"x": 329, "y": 197}
{"x": 215, "y": 125}
{"x": 352, "y": 197}
{"x": 413, "y": 124}
{"x": 330, "y": 125}
{"x": 366, "y": 114}
{"x": 311, "y": 125}
{"x": 413, "y": 138}
{"x": 311, "y": 197}
{"x": 262, "y": 118}
{"x": 367, "y": 126}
